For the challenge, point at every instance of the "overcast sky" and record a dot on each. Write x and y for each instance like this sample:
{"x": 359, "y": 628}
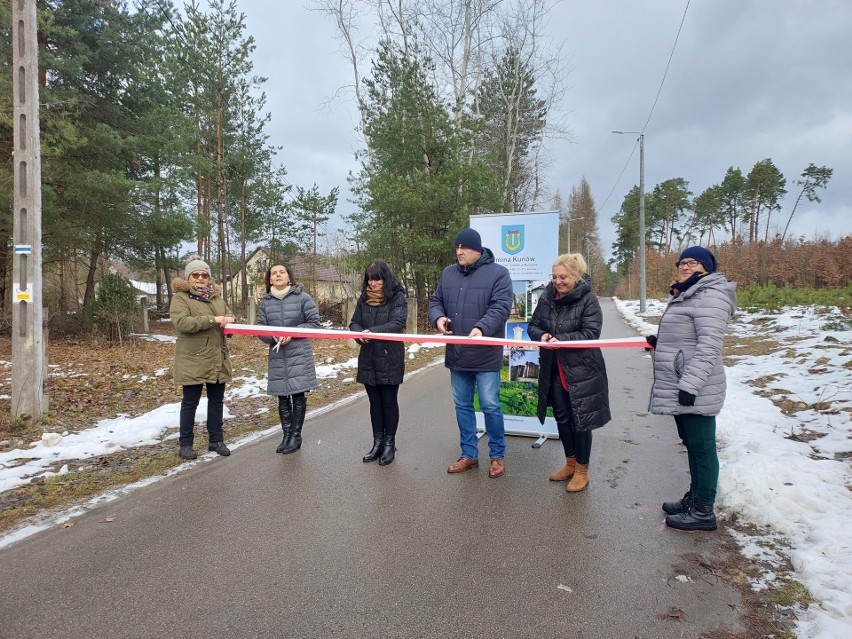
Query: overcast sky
{"x": 749, "y": 80}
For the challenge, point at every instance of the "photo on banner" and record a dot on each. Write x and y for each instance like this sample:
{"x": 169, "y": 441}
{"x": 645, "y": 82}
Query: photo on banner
{"x": 526, "y": 244}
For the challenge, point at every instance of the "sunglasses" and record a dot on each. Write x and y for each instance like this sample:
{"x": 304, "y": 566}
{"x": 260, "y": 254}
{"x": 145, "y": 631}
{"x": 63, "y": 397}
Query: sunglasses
{"x": 200, "y": 276}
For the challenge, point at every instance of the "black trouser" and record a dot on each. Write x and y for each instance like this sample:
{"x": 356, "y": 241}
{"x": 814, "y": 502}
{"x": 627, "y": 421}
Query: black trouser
{"x": 384, "y": 408}
{"x": 215, "y": 410}
{"x": 577, "y": 443}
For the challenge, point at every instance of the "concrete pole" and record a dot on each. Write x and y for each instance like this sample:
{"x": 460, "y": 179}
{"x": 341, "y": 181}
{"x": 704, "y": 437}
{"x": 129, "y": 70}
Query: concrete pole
{"x": 29, "y": 364}
{"x": 641, "y": 217}
{"x": 572, "y": 219}
{"x": 642, "y": 223}
{"x": 143, "y": 305}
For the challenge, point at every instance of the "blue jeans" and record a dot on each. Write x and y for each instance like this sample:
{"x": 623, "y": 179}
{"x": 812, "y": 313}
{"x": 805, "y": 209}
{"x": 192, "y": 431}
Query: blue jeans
{"x": 488, "y": 384}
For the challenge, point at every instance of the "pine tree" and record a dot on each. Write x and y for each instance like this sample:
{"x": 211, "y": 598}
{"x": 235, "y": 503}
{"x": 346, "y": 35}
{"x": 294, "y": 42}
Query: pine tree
{"x": 512, "y": 120}
{"x": 414, "y": 186}
{"x": 764, "y": 190}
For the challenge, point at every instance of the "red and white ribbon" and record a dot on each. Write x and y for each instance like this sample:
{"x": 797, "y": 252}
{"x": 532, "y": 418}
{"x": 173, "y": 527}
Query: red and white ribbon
{"x": 325, "y": 333}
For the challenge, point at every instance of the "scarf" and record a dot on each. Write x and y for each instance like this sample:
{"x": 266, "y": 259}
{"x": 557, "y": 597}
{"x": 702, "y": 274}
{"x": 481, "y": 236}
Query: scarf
{"x": 279, "y": 293}
{"x": 681, "y": 287}
{"x": 202, "y": 292}
{"x": 375, "y": 298}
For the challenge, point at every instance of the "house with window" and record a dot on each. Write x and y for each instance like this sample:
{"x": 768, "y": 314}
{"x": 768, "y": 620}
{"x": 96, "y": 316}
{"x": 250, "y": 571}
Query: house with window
{"x": 321, "y": 280}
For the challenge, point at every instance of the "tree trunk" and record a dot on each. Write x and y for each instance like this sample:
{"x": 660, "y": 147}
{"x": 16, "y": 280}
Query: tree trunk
{"x": 89, "y": 294}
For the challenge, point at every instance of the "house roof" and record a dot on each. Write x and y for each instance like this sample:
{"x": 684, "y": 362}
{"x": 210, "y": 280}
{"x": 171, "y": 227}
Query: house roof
{"x": 309, "y": 267}
{"x": 140, "y": 282}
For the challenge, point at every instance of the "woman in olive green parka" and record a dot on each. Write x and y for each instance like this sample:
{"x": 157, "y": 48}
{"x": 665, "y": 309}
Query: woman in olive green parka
{"x": 199, "y": 314}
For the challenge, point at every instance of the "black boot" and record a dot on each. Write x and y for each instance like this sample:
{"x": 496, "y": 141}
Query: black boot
{"x": 388, "y": 450}
{"x": 186, "y": 452}
{"x": 284, "y": 440}
{"x": 679, "y": 506}
{"x": 699, "y": 517}
{"x": 376, "y": 450}
{"x": 300, "y": 406}
{"x": 285, "y": 412}
{"x": 219, "y": 448}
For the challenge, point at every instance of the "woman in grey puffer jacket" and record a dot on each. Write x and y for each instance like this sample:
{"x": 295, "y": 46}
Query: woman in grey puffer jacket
{"x": 689, "y": 378}
{"x": 292, "y": 372}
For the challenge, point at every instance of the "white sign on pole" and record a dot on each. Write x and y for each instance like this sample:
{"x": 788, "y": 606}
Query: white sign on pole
{"x": 525, "y": 243}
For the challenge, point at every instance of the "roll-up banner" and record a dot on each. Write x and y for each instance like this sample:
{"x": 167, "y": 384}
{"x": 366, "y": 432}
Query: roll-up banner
{"x": 526, "y": 244}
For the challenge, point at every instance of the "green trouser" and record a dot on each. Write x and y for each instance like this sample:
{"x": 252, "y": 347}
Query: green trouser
{"x": 698, "y": 434}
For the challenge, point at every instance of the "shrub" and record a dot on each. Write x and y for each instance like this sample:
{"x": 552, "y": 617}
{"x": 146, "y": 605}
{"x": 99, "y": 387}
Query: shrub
{"x": 773, "y": 298}
{"x": 116, "y": 310}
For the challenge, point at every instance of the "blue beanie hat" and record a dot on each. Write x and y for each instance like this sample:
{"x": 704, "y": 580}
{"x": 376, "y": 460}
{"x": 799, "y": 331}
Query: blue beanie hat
{"x": 700, "y": 254}
{"x": 469, "y": 239}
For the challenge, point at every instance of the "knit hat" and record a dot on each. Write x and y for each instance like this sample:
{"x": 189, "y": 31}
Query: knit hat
{"x": 196, "y": 265}
{"x": 700, "y": 254}
{"x": 469, "y": 239}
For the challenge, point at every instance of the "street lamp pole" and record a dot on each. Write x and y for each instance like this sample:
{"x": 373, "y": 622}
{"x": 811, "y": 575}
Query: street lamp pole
{"x": 570, "y": 219}
{"x": 642, "y": 295}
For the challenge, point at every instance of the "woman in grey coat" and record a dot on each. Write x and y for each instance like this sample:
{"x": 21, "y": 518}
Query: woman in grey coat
{"x": 292, "y": 372}
{"x": 689, "y": 378}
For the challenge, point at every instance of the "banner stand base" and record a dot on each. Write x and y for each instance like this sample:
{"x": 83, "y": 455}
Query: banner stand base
{"x": 541, "y": 439}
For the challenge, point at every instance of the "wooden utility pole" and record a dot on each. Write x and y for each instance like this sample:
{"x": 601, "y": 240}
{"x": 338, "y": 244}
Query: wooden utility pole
{"x": 29, "y": 397}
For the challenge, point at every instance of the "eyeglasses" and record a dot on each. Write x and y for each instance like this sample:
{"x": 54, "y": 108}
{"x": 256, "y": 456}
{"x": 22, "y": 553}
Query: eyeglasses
{"x": 199, "y": 276}
{"x": 687, "y": 264}
{"x": 374, "y": 278}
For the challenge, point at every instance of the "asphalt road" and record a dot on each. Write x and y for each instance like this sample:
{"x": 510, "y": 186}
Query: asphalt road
{"x": 319, "y": 544}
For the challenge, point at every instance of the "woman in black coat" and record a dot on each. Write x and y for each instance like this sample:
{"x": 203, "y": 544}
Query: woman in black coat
{"x": 572, "y": 380}
{"x": 382, "y": 308}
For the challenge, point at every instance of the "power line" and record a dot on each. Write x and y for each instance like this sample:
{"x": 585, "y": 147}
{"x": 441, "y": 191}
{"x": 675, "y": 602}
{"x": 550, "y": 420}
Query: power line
{"x": 653, "y": 106}
{"x": 668, "y": 64}
{"x": 620, "y": 175}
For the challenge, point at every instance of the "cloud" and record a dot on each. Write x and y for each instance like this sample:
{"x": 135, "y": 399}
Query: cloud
{"x": 747, "y": 81}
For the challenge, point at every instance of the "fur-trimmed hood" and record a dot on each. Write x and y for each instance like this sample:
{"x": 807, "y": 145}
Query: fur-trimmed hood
{"x": 180, "y": 285}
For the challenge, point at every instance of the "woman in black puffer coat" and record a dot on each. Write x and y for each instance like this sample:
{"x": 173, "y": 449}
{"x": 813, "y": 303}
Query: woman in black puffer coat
{"x": 572, "y": 380}
{"x": 292, "y": 371}
{"x": 382, "y": 308}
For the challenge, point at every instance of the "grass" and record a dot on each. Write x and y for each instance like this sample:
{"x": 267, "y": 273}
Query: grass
{"x": 73, "y": 487}
{"x": 793, "y": 593}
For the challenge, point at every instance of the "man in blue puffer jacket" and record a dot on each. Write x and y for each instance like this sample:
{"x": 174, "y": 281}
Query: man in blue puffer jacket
{"x": 474, "y": 298}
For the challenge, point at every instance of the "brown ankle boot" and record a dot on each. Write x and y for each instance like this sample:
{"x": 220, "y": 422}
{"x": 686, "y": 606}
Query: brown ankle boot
{"x": 566, "y": 472}
{"x": 580, "y": 479}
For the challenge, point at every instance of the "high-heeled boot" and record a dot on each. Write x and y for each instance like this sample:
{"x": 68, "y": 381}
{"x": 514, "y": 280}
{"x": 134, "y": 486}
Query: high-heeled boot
{"x": 285, "y": 412}
{"x": 376, "y": 450}
{"x": 388, "y": 450}
{"x": 300, "y": 405}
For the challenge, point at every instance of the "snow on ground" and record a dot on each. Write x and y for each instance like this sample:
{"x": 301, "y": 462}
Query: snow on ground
{"x": 789, "y": 473}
